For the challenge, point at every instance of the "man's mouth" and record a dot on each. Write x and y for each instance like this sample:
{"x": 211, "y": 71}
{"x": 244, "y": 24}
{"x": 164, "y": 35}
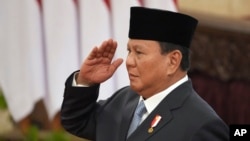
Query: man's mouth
{"x": 131, "y": 75}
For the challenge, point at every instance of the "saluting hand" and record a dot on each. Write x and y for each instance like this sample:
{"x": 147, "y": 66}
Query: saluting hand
{"x": 98, "y": 67}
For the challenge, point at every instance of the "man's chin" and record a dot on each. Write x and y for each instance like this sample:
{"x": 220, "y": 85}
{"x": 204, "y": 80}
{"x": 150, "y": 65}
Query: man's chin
{"x": 135, "y": 88}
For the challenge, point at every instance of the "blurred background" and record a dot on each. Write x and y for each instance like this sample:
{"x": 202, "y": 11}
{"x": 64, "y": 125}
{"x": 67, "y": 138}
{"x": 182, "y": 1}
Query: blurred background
{"x": 43, "y": 41}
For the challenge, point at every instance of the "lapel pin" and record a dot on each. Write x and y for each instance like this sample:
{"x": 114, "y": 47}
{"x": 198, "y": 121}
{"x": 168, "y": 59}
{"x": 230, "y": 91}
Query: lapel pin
{"x": 154, "y": 123}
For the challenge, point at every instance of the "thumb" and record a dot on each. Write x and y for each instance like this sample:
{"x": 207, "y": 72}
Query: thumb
{"x": 116, "y": 64}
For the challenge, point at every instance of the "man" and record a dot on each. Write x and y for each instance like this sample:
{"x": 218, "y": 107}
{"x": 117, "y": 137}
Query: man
{"x": 157, "y": 64}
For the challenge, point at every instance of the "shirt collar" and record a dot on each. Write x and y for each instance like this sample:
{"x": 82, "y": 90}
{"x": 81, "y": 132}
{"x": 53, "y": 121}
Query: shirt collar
{"x": 154, "y": 100}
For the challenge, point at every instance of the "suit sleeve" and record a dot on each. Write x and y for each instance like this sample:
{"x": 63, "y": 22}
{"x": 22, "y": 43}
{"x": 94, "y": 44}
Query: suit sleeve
{"x": 214, "y": 130}
{"x": 79, "y": 109}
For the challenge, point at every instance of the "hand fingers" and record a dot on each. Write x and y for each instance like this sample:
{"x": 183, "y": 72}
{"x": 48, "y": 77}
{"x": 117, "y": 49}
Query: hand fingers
{"x": 93, "y": 53}
{"x": 107, "y": 49}
{"x": 112, "y": 52}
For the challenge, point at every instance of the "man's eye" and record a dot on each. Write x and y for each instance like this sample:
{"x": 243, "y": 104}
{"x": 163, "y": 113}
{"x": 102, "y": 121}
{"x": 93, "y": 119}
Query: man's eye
{"x": 138, "y": 52}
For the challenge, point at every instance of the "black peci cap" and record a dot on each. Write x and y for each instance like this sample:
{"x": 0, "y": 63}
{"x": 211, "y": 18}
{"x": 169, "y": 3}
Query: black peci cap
{"x": 161, "y": 25}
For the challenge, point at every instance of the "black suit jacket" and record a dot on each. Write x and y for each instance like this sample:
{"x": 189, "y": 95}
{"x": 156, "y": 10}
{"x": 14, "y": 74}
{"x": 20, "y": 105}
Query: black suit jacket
{"x": 185, "y": 116}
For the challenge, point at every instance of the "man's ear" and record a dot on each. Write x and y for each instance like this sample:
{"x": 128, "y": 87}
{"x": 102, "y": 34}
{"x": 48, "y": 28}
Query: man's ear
{"x": 174, "y": 61}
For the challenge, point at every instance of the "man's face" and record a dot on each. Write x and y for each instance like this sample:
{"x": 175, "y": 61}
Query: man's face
{"x": 147, "y": 67}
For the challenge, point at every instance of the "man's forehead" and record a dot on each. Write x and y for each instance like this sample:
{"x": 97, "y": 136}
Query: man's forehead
{"x": 144, "y": 45}
{"x": 140, "y": 42}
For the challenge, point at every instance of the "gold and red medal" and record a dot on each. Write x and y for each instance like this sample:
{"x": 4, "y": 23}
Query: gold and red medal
{"x": 154, "y": 123}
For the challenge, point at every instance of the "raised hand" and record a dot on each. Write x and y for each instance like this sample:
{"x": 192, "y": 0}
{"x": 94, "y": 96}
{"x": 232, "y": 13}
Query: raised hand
{"x": 98, "y": 66}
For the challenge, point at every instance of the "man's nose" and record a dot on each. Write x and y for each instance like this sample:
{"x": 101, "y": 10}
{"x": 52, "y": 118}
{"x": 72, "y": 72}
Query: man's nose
{"x": 130, "y": 62}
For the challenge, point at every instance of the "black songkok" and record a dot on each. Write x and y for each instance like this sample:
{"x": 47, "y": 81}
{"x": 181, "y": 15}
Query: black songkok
{"x": 161, "y": 25}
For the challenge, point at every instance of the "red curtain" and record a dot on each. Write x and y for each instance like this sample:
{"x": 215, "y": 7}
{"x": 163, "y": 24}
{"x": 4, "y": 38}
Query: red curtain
{"x": 230, "y": 99}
